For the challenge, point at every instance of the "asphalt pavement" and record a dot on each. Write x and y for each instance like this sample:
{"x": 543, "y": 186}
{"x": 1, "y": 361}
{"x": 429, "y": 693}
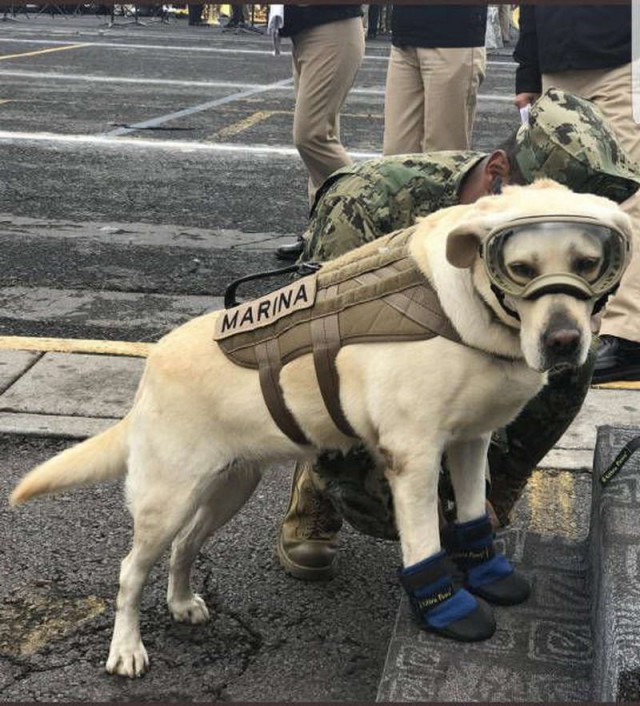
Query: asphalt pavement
{"x": 142, "y": 169}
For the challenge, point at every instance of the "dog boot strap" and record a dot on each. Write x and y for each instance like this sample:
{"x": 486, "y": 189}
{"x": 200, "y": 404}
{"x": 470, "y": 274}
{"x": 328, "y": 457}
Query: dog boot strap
{"x": 433, "y": 598}
{"x": 442, "y": 609}
{"x": 470, "y": 546}
{"x": 487, "y": 574}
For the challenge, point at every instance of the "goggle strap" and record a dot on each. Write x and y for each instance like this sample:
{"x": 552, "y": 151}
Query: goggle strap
{"x": 500, "y": 296}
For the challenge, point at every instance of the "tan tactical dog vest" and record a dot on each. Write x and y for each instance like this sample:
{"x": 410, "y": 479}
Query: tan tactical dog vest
{"x": 375, "y": 294}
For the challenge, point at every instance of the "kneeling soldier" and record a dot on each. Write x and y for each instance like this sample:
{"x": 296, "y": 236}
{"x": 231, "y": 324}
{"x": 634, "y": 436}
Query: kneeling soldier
{"x": 567, "y": 140}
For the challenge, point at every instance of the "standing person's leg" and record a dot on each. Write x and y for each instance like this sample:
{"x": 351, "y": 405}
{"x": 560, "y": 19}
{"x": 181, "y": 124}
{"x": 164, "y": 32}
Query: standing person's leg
{"x": 504, "y": 15}
{"x": 326, "y": 61}
{"x": 372, "y": 21}
{"x": 237, "y": 14}
{"x": 610, "y": 90}
{"x": 195, "y": 14}
{"x": 403, "y": 103}
{"x": 451, "y": 78}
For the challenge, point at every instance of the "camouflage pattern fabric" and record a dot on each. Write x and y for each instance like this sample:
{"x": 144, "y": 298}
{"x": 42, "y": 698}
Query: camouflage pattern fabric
{"x": 360, "y": 203}
{"x": 569, "y": 140}
{"x": 534, "y": 432}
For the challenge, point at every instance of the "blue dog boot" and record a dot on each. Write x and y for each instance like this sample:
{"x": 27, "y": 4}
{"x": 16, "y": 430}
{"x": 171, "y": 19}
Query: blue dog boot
{"x": 486, "y": 574}
{"x": 442, "y": 609}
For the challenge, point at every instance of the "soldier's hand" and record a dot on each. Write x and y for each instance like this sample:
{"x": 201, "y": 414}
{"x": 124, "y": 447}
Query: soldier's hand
{"x": 524, "y": 99}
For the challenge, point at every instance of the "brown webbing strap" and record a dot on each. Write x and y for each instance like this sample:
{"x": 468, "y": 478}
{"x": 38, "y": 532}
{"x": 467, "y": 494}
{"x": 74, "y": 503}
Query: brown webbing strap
{"x": 325, "y": 337}
{"x": 269, "y": 367}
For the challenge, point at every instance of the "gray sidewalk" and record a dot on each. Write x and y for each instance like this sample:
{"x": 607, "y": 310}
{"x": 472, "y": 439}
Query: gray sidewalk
{"x": 78, "y": 394}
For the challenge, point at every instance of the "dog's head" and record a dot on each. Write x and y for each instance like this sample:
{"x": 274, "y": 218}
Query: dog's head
{"x": 545, "y": 260}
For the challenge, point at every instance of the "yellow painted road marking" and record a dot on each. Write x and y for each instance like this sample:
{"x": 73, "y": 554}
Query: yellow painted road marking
{"x": 75, "y": 345}
{"x": 139, "y": 349}
{"x": 42, "y": 51}
{"x": 5, "y": 100}
{"x": 262, "y": 115}
{"x": 29, "y": 624}
{"x": 245, "y": 124}
{"x": 619, "y": 385}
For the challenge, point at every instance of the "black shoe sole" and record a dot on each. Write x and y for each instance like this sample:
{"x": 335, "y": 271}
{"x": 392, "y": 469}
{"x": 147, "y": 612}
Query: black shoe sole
{"x": 628, "y": 374}
{"x": 475, "y": 627}
{"x": 511, "y": 590}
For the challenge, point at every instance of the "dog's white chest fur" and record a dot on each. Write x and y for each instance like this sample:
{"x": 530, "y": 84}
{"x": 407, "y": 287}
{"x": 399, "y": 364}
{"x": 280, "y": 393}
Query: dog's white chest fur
{"x": 453, "y": 390}
{"x": 492, "y": 396}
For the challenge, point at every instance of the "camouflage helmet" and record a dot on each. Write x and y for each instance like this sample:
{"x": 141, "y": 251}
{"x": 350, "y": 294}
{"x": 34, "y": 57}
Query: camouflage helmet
{"x": 570, "y": 141}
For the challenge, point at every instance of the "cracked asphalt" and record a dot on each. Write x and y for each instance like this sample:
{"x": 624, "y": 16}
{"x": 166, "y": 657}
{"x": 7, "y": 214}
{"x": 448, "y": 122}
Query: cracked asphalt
{"x": 124, "y": 238}
{"x": 271, "y": 637}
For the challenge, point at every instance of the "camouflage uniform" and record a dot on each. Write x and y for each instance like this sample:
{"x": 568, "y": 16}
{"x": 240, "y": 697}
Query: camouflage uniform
{"x": 360, "y": 203}
{"x": 567, "y": 141}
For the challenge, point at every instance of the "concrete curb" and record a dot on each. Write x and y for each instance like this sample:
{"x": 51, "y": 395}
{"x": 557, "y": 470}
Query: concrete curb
{"x": 542, "y": 649}
{"x": 615, "y": 559}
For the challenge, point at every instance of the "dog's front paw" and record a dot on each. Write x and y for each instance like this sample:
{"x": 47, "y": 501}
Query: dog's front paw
{"x": 193, "y": 610}
{"x": 128, "y": 661}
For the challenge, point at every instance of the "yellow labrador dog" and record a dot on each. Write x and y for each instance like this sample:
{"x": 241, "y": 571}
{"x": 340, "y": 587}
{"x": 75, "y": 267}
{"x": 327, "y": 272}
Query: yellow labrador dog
{"x": 518, "y": 276}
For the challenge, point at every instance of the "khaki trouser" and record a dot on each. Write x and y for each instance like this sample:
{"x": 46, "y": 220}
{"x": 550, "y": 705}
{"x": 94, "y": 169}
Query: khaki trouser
{"x": 326, "y": 60}
{"x": 504, "y": 15}
{"x": 610, "y": 90}
{"x": 430, "y": 100}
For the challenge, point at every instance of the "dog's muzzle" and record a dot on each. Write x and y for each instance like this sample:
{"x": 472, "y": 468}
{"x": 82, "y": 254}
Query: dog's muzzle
{"x": 598, "y": 281}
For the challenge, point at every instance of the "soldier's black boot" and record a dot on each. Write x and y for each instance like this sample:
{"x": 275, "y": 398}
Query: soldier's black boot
{"x": 535, "y": 431}
{"x": 442, "y": 609}
{"x": 486, "y": 573}
{"x": 290, "y": 251}
{"x": 308, "y": 545}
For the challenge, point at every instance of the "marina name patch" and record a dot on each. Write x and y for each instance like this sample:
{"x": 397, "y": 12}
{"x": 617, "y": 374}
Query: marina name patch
{"x": 266, "y": 310}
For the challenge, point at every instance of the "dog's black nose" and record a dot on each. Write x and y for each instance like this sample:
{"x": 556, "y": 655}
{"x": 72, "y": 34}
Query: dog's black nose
{"x": 562, "y": 341}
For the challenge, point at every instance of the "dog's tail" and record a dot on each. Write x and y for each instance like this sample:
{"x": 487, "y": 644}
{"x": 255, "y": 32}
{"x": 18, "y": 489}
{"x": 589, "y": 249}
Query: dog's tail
{"x": 99, "y": 458}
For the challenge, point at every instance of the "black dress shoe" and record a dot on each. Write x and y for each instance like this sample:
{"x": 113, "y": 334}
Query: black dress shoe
{"x": 290, "y": 252}
{"x": 616, "y": 359}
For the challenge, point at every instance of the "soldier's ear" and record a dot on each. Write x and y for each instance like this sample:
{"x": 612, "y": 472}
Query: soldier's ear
{"x": 498, "y": 165}
{"x": 494, "y": 169}
{"x": 463, "y": 244}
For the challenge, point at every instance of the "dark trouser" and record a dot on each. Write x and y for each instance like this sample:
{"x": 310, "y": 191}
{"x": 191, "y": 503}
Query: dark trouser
{"x": 373, "y": 20}
{"x": 362, "y": 493}
{"x": 237, "y": 14}
{"x": 195, "y": 13}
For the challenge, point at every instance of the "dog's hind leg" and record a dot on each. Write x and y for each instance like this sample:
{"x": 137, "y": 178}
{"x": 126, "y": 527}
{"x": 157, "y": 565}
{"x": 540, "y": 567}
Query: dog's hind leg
{"x": 228, "y": 493}
{"x": 158, "y": 514}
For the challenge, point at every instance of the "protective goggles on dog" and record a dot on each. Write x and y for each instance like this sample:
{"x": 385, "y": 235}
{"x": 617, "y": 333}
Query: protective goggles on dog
{"x": 589, "y": 267}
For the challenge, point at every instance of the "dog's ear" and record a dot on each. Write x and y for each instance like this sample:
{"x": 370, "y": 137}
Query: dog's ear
{"x": 463, "y": 244}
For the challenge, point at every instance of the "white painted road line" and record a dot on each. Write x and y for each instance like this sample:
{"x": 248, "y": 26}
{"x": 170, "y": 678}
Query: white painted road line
{"x": 191, "y": 48}
{"x": 7, "y": 137}
{"x": 154, "y": 122}
{"x": 232, "y": 85}
{"x": 286, "y": 85}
